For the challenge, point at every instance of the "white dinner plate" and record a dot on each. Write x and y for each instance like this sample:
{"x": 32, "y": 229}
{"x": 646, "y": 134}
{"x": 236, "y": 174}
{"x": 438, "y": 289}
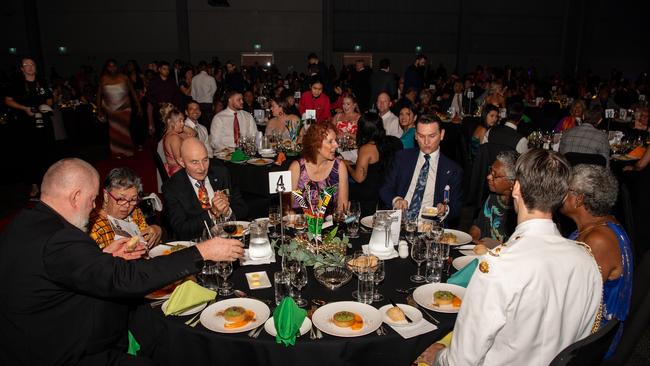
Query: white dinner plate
{"x": 423, "y": 295}
{"x": 160, "y": 249}
{"x": 413, "y": 313}
{"x": 189, "y": 311}
{"x": 215, "y": 323}
{"x": 322, "y": 318}
{"x": 260, "y": 161}
{"x": 461, "y": 262}
{"x": 269, "y": 327}
{"x": 461, "y": 237}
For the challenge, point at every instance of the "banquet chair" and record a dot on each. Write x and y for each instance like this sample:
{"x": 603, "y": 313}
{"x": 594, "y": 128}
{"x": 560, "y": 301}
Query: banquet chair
{"x": 576, "y": 158}
{"x": 638, "y": 318}
{"x": 158, "y": 158}
{"x": 589, "y": 350}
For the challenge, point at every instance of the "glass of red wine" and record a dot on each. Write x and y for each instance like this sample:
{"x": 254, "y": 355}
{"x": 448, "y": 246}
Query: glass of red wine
{"x": 230, "y": 227}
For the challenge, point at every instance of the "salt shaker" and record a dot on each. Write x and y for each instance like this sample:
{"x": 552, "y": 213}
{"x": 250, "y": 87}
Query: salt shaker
{"x": 403, "y": 249}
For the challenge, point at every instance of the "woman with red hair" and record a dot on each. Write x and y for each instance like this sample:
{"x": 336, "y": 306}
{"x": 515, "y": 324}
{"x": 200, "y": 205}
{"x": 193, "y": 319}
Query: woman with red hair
{"x": 319, "y": 167}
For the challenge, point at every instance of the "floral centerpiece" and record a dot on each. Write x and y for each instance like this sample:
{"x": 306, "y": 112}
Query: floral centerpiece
{"x": 328, "y": 252}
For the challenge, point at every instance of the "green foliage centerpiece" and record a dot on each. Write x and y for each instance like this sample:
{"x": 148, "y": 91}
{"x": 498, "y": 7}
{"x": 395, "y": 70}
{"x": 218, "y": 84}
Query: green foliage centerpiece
{"x": 328, "y": 252}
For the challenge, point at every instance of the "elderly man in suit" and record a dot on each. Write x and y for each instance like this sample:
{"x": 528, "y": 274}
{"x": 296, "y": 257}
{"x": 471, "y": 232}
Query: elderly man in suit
{"x": 63, "y": 300}
{"x": 420, "y": 176}
{"x": 200, "y": 192}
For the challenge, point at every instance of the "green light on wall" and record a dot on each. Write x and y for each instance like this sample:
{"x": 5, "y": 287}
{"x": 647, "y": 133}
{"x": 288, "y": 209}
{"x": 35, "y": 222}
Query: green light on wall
{"x": 357, "y": 48}
{"x": 63, "y": 50}
{"x": 257, "y": 46}
{"x": 13, "y": 50}
{"x": 418, "y": 49}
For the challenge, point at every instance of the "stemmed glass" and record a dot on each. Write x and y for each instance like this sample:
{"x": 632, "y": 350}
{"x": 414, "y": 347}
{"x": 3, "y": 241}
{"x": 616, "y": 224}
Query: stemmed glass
{"x": 299, "y": 225}
{"x": 274, "y": 220}
{"x": 353, "y": 218}
{"x": 230, "y": 227}
{"x": 411, "y": 227}
{"x": 419, "y": 253}
{"x": 378, "y": 276}
{"x": 224, "y": 269}
{"x": 299, "y": 280}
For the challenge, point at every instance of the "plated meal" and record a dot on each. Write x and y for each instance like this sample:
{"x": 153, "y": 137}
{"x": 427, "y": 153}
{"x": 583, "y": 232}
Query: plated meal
{"x": 347, "y": 319}
{"x": 169, "y": 248}
{"x": 396, "y": 315}
{"x": 456, "y": 237}
{"x": 449, "y": 238}
{"x": 235, "y": 315}
{"x": 440, "y": 297}
{"x": 260, "y": 161}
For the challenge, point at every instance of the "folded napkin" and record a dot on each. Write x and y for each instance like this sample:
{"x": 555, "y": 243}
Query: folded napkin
{"x": 247, "y": 261}
{"x": 384, "y": 256}
{"x": 350, "y": 155}
{"x": 280, "y": 159}
{"x": 462, "y": 277}
{"x": 288, "y": 318}
{"x": 238, "y": 156}
{"x": 186, "y": 296}
{"x": 446, "y": 340}
{"x": 414, "y": 330}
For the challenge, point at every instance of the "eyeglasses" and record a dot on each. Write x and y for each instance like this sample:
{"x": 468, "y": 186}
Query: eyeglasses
{"x": 123, "y": 201}
{"x": 494, "y": 175}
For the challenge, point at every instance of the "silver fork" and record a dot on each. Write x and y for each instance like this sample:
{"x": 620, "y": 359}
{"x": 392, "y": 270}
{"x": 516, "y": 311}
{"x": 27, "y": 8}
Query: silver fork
{"x": 252, "y": 332}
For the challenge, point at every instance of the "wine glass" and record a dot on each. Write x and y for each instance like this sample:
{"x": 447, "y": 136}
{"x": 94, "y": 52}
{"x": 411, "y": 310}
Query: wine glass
{"x": 274, "y": 220}
{"x": 378, "y": 276}
{"x": 353, "y": 218}
{"x": 419, "y": 253}
{"x": 299, "y": 280}
{"x": 224, "y": 269}
{"x": 411, "y": 227}
{"x": 230, "y": 227}
{"x": 299, "y": 225}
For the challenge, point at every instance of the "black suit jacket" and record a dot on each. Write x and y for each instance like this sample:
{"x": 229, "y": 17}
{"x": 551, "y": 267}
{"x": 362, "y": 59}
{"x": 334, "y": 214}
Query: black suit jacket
{"x": 183, "y": 210}
{"x": 382, "y": 81}
{"x": 399, "y": 177}
{"x": 62, "y": 298}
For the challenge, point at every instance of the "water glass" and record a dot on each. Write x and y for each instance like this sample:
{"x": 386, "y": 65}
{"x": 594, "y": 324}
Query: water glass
{"x": 208, "y": 276}
{"x": 353, "y": 219}
{"x": 411, "y": 227}
{"x": 281, "y": 285}
{"x": 365, "y": 287}
{"x": 434, "y": 270}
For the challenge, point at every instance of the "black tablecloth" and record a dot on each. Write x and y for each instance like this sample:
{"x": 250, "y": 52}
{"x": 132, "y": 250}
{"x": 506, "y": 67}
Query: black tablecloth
{"x": 173, "y": 343}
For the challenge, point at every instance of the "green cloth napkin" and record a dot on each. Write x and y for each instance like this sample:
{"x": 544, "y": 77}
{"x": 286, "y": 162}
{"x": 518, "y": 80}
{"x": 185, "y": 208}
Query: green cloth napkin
{"x": 238, "y": 155}
{"x": 288, "y": 318}
{"x": 187, "y": 295}
{"x": 462, "y": 277}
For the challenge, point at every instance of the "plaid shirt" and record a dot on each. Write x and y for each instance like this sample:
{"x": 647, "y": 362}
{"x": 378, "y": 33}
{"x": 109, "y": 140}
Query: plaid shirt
{"x": 102, "y": 232}
{"x": 585, "y": 139}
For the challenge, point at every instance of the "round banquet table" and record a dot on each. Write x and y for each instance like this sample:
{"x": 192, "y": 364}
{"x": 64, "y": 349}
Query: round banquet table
{"x": 171, "y": 342}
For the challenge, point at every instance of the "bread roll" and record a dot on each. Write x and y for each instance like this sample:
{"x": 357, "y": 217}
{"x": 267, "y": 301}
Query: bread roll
{"x": 480, "y": 249}
{"x": 396, "y": 314}
{"x": 132, "y": 243}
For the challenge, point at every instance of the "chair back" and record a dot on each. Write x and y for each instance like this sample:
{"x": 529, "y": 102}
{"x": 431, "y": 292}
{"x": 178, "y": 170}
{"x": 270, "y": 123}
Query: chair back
{"x": 637, "y": 320}
{"x": 160, "y": 166}
{"x": 590, "y": 350}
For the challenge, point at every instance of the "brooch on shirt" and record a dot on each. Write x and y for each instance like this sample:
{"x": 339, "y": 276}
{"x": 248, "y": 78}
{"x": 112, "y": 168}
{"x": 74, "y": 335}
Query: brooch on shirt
{"x": 484, "y": 267}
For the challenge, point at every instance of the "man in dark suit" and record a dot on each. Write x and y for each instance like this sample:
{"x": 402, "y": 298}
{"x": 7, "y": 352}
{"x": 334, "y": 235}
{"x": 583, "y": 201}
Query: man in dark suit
{"x": 192, "y": 199}
{"x": 383, "y": 80}
{"x": 420, "y": 176}
{"x": 459, "y": 101}
{"x": 62, "y": 298}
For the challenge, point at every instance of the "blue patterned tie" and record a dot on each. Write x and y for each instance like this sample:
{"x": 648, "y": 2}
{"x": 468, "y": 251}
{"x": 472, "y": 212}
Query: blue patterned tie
{"x": 416, "y": 201}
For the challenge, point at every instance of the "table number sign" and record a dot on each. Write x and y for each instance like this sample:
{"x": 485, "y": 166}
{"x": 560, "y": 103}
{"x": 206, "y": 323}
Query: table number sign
{"x": 280, "y": 182}
{"x": 609, "y": 113}
{"x": 310, "y": 114}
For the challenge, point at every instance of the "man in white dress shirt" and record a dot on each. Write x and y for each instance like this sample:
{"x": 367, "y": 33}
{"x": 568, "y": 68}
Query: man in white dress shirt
{"x": 193, "y": 113}
{"x": 534, "y": 295}
{"x": 391, "y": 121}
{"x": 203, "y": 88}
{"x": 231, "y": 123}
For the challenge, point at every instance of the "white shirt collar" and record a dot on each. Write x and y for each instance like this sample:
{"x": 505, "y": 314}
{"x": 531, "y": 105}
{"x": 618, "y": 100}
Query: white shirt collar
{"x": 432, "y": 157}
{"x": 194, "y": 181}
{"x": 190, "y": 123}
{"x": 511, "y": 125}
{"x": 536, "y": 227}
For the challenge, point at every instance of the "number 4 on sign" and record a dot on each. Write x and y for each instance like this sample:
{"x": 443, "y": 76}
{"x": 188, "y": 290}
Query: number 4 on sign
{"x": 280, "y": 182}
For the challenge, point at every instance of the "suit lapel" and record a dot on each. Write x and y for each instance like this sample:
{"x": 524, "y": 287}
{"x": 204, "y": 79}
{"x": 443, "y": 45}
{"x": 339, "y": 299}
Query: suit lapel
{"x": 409, "y": 169}
{"x": 442, "y": 177}
{"x": 189, "y": 192}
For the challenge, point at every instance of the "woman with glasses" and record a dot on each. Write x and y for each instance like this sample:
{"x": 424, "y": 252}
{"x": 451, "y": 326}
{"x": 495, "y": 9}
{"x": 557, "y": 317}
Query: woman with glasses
{"x": 121, "y": 197}
{"x": 496, "y": 220}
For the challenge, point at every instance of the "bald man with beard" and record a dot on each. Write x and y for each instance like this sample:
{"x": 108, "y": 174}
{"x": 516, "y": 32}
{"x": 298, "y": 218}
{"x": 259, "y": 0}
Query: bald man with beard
{"x": 201, "y": 191}
{"x": 63, "y": 299}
